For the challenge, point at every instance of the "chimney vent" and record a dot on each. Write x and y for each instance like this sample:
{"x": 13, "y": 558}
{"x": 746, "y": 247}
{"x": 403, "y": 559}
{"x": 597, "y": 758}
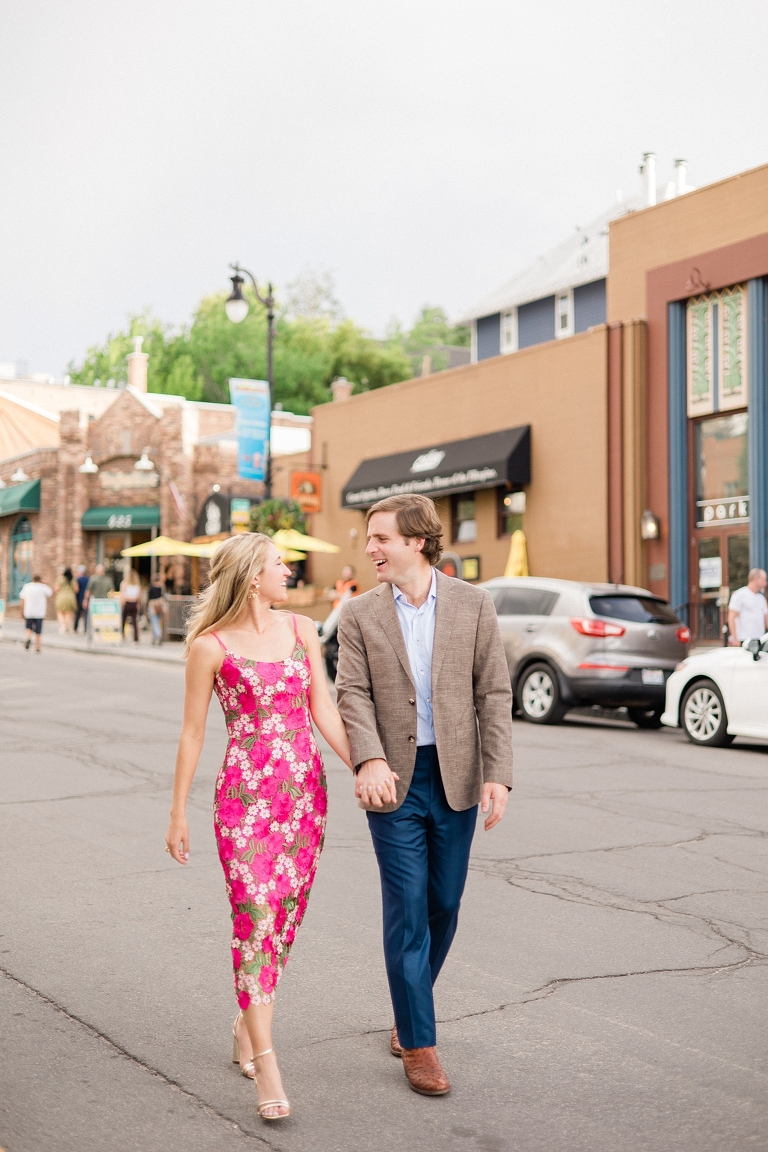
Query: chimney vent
{"x": 648, "y": 169}
{"x": 137, "y": 366}
{"x": 341, "y": 389}
{"x": 681, "y": 177}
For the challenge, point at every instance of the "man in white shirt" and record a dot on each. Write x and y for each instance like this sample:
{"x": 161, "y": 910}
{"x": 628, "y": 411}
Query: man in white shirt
{"x": 747, "y": 610}
{"x": 34, "y": 605}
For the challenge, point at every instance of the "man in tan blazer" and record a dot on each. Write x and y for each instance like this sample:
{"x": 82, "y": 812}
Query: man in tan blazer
{"x": 424, "y": 692}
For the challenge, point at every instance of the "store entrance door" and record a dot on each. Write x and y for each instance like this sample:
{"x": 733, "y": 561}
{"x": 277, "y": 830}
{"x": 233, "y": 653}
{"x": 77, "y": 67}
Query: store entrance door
{"x": 111, "y": 544}
{"x": 723, "y": 565}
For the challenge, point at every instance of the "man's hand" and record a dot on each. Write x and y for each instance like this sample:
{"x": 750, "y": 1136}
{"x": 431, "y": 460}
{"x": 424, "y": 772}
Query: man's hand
{"x": 375, "y": 784}
{"x": 494, "y": 797}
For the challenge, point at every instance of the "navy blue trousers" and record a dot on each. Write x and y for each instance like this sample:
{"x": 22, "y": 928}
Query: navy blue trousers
{"x": 423, "y": 855}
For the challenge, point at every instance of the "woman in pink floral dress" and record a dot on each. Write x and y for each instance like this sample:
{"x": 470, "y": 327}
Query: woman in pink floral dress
{"x": 270, "y": 802}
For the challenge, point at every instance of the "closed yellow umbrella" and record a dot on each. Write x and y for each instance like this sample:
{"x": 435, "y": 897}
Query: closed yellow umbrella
{"x": 517, "y": 564}
{"x": 290, "y": 538}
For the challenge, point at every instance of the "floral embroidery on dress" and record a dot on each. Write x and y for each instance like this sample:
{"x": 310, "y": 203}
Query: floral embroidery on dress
{"x": 269, "y": 813}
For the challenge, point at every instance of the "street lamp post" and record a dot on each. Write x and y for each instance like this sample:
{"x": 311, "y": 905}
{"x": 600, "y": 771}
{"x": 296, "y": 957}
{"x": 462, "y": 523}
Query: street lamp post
{"x": 237, "y": 309}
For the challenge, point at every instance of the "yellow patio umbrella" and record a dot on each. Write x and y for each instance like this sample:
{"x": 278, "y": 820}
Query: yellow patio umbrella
{"x": 290, "y": 556}
{"x": 290, "y": 538}
{"x": 167, "y": 546}
{"x": 517, "y": 564}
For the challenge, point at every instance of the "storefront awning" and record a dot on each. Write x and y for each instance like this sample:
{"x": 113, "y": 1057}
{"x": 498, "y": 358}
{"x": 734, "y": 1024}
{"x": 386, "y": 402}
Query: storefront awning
{"x": 20, "y": 498}
{"x": 139, "y": 516}
{"x": 439, "y": 469}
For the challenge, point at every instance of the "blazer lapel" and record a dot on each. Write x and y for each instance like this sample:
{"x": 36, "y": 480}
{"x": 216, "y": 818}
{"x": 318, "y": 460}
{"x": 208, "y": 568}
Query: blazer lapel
{"x": 390, "y": 623}
{"x": 444, "y": 618}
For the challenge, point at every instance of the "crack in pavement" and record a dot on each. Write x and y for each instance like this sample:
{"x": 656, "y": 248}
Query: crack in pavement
{"x": 120, "y": 1050}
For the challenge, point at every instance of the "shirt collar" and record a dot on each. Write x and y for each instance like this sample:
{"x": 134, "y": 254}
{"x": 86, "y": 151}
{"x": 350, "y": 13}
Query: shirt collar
{"x": 431, "y": 595}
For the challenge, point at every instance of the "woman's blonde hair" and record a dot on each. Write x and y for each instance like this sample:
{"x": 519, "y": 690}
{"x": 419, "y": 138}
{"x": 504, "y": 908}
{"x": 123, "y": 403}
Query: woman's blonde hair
{"x": 132, "y": 577}
{"x": 234, "y": 564}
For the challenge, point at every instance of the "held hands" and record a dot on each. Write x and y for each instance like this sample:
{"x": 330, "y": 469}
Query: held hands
{"x": 494, "y": 798}
{"x": 177, "y": 839}
{"x": 375, "y": 784}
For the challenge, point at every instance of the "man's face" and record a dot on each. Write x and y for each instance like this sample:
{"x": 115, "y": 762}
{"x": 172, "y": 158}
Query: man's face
{"x": 759, "y": 582}
{"x": 393, "y": 555}
{"x": 347, "y": 573}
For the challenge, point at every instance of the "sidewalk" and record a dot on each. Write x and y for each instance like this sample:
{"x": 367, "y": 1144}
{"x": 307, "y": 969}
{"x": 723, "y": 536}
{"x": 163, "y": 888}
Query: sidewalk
{"x": 13, "y": 632}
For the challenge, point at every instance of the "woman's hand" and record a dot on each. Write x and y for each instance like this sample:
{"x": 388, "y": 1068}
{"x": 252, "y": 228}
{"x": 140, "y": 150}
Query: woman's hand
{"x": 177, "y": 839}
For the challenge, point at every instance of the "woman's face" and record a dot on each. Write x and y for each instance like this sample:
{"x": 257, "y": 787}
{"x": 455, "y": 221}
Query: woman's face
{"x": 272, "y": 578}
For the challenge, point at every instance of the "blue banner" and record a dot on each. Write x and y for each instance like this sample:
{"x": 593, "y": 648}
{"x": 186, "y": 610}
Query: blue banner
{"x": 251, "y": 401}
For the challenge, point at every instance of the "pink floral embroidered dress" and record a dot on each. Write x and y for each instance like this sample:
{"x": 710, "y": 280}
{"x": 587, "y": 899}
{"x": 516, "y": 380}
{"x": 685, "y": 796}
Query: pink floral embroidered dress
{"x": 269, "y": 812}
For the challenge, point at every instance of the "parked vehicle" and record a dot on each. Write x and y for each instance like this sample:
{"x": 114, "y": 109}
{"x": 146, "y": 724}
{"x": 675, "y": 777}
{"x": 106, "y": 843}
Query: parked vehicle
{"x": 720, "y": 694}
{"x": 570, "y": 644}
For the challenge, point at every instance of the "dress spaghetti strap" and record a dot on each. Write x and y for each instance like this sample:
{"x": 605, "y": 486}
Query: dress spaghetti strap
{"x": 295, "y": 629}
{"x": 220, "y": 640}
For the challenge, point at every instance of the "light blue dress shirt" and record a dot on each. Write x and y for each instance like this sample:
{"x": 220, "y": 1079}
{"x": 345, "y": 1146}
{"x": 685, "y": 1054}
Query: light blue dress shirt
{"x": 418, "y": 628}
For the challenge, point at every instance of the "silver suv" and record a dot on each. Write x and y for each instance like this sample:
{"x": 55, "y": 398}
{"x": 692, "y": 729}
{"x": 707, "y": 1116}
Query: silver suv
{"x": 570, "y": 644}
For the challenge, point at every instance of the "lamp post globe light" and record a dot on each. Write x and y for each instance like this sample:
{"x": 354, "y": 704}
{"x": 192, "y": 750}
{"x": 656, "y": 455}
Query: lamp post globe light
{"x": 236, "y": 308}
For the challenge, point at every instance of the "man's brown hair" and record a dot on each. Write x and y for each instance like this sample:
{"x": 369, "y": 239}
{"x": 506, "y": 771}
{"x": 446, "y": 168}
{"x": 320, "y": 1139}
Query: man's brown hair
{"x": 416, "y": 518}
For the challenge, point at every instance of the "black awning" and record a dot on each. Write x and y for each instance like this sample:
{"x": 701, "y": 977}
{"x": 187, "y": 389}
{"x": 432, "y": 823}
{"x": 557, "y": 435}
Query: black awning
{"x": 439, "y": 469}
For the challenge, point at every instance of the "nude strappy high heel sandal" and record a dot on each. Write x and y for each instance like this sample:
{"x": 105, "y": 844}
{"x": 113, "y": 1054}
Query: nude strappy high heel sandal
{"x": 262, "y": 1104}
{"x": 247, "y": 1068}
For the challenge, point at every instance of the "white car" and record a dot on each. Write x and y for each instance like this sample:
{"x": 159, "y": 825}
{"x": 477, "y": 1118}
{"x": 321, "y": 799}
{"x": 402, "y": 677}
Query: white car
{"x": 720, "y": 694}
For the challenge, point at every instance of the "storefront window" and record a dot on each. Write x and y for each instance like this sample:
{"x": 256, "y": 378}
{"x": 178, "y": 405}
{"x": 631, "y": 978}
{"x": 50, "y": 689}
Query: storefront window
{"x": 722, "y": 462}
{"x": 22, "y": 553}
{"x": 511, "y": 506}
{"x": 464, "y": 519}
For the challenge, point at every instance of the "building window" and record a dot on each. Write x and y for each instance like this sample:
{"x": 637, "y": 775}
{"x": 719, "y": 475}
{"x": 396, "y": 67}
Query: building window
{"x": 509, "y": 331}
{"x": 511, "y": 506}
{"x": 722, "y": 470}
{"x": 564, "y": 324}
{"x": 464, "y": 519}
{"x": 22, "y": 551}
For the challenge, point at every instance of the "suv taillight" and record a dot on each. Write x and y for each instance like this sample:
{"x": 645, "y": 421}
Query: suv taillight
{"x": 683, "y": 634}
{"x": 591, "y": 626}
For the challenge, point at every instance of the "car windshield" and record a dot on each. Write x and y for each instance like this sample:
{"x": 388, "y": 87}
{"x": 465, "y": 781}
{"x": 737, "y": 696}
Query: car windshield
{"x": 640, "y": 609}
{"x": 523, "y": 601}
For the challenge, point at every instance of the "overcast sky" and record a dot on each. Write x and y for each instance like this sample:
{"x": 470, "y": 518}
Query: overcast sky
{"x": 418, "y": 150}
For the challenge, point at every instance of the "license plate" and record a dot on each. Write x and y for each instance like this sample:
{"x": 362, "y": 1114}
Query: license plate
{"x": 652, "y": 676}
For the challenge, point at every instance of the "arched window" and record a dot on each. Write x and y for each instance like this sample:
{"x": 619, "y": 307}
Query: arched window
{"x": 21, "y": 557}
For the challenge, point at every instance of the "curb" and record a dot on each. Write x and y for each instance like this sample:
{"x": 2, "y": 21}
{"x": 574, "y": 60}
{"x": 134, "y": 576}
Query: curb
{"x": 93, "y": 650}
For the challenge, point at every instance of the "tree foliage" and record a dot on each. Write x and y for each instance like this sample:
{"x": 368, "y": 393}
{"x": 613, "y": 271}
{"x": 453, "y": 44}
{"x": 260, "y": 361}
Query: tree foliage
{"x": 314, "y": 344}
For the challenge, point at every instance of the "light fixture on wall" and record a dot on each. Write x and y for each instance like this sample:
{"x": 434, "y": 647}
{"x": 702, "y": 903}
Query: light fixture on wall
{"x": 144, "y": 464}
{"x": 649, "y": 526}
{"x": 88, "y": 468}
{"x": 19, "y": 476}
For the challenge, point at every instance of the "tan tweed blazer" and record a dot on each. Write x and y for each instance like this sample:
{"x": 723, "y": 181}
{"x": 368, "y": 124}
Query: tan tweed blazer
{"x": 471, "y": 693}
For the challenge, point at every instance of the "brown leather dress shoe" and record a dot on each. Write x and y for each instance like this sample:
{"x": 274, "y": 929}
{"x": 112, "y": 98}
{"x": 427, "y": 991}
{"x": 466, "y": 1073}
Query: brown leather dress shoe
{"x": 424, "y": 1071}
{"x": 394, "y": 1044}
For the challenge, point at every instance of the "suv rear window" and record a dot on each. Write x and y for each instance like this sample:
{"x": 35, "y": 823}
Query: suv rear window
{"x": 524, "y": 601}
{"x": 639, "y": 609}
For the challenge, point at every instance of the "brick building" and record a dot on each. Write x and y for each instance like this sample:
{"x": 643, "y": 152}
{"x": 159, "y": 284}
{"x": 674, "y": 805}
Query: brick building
{"x": 87, "y": 472}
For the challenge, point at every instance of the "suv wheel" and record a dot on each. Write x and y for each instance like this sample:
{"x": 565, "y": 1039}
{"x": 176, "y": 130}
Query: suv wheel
{"x": 646, "y": 717}
{"x": 539, "y": 695}
{"x": 703, "y": 715}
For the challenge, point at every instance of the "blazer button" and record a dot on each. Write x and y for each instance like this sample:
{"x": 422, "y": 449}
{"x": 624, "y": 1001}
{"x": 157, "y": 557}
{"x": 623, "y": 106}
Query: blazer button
{"x": 411, "y": 701}
{"x": 411, "y": 739}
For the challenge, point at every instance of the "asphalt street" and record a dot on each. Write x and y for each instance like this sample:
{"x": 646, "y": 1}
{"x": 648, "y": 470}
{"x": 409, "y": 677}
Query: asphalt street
{"x": 607, "y": 989}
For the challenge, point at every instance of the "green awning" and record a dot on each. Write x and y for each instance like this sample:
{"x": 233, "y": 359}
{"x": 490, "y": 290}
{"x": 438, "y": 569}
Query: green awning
{"x": 20, "y": 498}
{"x": 115, "y": 516}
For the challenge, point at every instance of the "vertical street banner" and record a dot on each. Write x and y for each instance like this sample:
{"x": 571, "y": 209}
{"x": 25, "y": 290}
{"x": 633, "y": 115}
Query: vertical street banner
{"x": 251, "y": 402}
{"x": 106, "y": 624}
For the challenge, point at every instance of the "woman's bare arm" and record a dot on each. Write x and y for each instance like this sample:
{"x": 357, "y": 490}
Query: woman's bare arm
{"x": 203, "y": 662}
{"x": 324, "y": 711}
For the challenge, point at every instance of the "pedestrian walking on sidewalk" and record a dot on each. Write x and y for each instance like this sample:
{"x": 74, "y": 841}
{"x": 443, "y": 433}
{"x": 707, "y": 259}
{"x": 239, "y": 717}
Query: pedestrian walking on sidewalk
{"x": 423, "y": 689}
{"x": 270, "y": 800}
{"x": 34, "y": 605}
{"x": 66, "y": 601}
{"x": 156, "y": 610}
{"x": 81, "y": 612}
{"x": 130, "y": 594}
